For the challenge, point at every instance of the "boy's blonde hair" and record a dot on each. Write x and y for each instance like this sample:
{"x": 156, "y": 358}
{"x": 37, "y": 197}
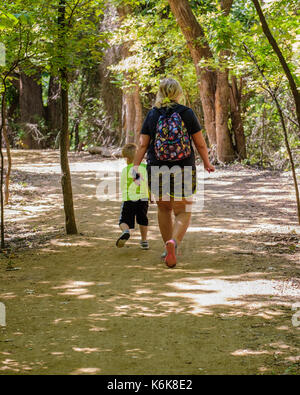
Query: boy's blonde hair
{"x": 129, "y": 151}
{"x": 168, "y": 93}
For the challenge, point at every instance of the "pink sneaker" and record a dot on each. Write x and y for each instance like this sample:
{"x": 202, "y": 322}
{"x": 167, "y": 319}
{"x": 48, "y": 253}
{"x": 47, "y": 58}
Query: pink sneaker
{"x": 170, "y": 259}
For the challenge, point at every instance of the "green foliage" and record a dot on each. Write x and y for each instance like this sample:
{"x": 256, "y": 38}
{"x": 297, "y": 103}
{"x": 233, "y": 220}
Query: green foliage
{"x": 35, "y": 37}
{"x": 156, "y": 49}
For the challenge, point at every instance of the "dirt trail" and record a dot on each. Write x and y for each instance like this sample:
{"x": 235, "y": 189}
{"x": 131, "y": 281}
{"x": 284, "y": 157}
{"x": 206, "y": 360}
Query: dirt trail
{"x": 78, "y": 305}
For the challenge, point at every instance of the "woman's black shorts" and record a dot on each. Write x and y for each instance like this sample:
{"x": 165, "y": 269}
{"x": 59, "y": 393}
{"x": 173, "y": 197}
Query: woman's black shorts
{"x": 177, "y": 182}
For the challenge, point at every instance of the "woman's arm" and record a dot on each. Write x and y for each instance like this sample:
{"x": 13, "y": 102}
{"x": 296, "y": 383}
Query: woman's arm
{"x": 202, "y": 149}
{"x": 142, "y": 148}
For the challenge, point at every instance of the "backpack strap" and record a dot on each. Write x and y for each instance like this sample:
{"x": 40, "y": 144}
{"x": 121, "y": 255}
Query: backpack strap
{"x": 162, "y": 112}
{"x": 159, "y": 110}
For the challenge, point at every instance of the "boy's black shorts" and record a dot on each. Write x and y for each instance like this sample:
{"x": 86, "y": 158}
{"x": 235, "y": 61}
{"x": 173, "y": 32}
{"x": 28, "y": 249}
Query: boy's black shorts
{"x": 131, "y": 210}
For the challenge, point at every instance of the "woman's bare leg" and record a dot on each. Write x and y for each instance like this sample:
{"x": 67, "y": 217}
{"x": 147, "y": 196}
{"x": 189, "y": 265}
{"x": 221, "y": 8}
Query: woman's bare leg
{"x": 165, "y": 220}
{"x": 182, "y": 220}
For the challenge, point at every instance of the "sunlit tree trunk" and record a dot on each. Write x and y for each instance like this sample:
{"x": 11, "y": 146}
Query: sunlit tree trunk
{"x": 132, "y": 114}
{"x": 199, "y": 49}
{"x": 225, "y": 150}
{"x": 138, "y": 114}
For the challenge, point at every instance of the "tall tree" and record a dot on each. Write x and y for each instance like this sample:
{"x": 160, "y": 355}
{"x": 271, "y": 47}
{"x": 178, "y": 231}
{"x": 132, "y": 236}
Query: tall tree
{"x": 74, "y": 40}
{"x": 222, "y": 103}
{"x": 199, "y": 49}
{"x": 64, "y": 133}
{"x": 214, "y": 88}
{"x": 16, "y": 34}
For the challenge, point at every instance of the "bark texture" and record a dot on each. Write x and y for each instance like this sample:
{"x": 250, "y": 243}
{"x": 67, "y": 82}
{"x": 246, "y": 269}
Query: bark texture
{"x": 8, "y": 154}
{"x": 236, "y": 118}
{"x": 54, "y": 113}
{"x": 132, "y": 115}
{"x": 225, "y": 151}
{"x": 31, "y": 109}
{"x": 199, "y": 49}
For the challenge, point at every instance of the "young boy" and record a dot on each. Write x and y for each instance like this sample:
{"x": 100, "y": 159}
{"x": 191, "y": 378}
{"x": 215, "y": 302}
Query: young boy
{"x": 135, "y": 199}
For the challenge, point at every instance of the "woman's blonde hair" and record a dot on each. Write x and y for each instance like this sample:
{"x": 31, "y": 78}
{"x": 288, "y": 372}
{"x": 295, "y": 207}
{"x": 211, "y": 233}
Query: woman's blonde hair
{"x": 168, "y": 92}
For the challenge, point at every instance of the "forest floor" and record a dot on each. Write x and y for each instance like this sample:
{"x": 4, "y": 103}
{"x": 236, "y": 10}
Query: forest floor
{"x": 78, "y": 305}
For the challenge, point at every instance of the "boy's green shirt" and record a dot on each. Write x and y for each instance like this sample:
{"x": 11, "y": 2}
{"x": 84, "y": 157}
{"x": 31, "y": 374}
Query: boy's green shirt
{"x": 130, "y": 190}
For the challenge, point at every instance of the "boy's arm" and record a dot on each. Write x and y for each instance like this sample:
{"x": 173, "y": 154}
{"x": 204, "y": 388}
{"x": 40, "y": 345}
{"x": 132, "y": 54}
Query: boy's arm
{"x": 200, "y": 144}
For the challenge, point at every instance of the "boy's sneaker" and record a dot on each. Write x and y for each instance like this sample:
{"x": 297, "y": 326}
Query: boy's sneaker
{"x": 163, "y": 256}
{"x": 144, "y": 245}
{"x": 122, "y": 239}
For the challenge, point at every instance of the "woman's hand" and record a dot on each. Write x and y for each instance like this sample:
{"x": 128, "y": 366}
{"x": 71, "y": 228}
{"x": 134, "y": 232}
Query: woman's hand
{"x": 136, "y": 175}
{"x": 202, "y": 149}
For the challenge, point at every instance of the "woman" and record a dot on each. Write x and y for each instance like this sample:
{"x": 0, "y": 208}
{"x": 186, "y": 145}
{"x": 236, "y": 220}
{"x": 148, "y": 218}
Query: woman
{"x": 166, "y": 136}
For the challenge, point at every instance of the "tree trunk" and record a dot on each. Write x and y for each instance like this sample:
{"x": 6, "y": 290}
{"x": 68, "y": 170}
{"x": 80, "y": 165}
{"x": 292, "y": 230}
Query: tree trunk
{"x": 76, "y": 134}
{"x": 66, "y": 174}
{"x": 64, "y": 135}
{"x": 236, "y": 118}
{"x": 225, "y": 150}
{"x": 109, "y": 92}
{"x": 280, "y": 56}
{"x": 8, "y": 154}
{"x": 2, "y": 166}
{"x": 131, "y": 101}
{"x": 138, "y": 114}
{"x": 54, "y": 113}
{"x": 31, "y": 107}
{"x": 199, "y": 49}
{"x": 132, "y": 114}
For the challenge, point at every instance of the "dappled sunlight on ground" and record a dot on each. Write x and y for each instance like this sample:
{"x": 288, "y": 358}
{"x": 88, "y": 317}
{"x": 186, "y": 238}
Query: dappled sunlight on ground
{"x": 77, "y": 305}
{"x": 212, "y": 292}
